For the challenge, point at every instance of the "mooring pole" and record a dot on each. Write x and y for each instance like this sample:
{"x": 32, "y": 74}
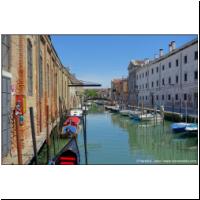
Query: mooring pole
{"x": 85, "y": 136}
{"x": 54, "y": 145}
{"x": 19, "y": 145}
{"x": 33, "y": 135}
{"x": 47, "y": 136}
{"x": 58, "y": 121}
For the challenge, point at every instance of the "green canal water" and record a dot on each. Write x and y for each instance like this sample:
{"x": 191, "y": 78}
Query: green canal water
{"x": 115, "y": 139}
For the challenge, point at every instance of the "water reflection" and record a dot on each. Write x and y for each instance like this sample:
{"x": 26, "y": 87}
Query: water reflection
{"x": 156, "y": 144}
{"x": 115, "y": 139}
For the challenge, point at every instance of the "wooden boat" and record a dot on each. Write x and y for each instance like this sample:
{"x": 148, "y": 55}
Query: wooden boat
{"x": 69, "y": 155}
{"x": 72, "y": 120}
{"x": 69, "y": 131}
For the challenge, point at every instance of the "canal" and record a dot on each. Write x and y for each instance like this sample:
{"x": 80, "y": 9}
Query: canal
{"x": 115, "y": 139}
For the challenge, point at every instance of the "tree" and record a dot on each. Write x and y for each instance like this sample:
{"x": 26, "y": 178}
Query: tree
{"x": 91, "y": 93}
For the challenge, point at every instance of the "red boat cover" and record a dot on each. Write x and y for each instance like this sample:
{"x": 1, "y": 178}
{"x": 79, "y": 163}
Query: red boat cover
{"x": 72, "y": 120}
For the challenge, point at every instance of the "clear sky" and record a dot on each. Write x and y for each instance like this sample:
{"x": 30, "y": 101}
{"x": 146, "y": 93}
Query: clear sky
{"x": 101, "y": 58}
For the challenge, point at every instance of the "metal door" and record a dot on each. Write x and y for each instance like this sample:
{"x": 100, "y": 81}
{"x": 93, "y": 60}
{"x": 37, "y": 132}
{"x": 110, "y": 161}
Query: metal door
{"x": 6, "y": 111}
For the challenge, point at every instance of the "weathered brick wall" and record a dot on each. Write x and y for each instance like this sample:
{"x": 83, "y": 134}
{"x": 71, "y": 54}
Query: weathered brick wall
{"x": 53, "y": 88}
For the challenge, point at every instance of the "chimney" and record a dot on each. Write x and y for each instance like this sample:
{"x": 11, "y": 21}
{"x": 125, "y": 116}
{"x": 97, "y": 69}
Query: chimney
{"x": 146, "y": 61}
{"x": 173, "y": 44}
{"x": 161, "y": 52}
{"x": 170, "y": 47}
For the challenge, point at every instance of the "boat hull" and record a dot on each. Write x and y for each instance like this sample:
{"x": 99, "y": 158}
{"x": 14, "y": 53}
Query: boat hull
{"x": 69, "y": 155}
{"x": 178, "y": 127}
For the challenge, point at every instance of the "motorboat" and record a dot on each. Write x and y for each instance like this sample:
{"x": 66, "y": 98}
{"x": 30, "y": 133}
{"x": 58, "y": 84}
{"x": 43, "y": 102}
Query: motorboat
{"x": 124, "y": 112}
{"x": 76, "y": 112}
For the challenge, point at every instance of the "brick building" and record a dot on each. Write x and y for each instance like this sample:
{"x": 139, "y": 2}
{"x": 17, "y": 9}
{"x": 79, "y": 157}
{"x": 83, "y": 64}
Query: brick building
{"x": 119, "y": 91}
{"x": 32, "y": 73}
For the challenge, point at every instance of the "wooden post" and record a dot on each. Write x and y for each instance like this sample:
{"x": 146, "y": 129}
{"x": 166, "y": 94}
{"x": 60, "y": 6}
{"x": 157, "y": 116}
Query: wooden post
{"x": 19, "y": 144}
{"x": 186, "y": 111}
{"x": 156, "y": 114}
{"x": 33, "y": 134}
{"x": 58, "y": 133}
{"x": 47, "y": 136}
{"x": 142, "y": 107}
{"x": 54, "y": 147}
{"x": 85, "y": 137}
{"x": 162, "y": 113}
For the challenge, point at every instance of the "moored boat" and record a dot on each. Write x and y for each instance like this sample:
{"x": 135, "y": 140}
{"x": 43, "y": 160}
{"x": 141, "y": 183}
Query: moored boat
{"x": 72, "y": 120}
{"x": 179, "y": 127}
{"x": 69, "y": 155}
{"x": 150, "y": 117}
{"x": 76, "y": 112}
{"x": 134, "y": 114}
{"x": 146, "y": 117}
{"x": 192, "y": 127}
{"x": 124, "y": 112}
{"x": 69, "y": 131}
{"x": 114, "y": 109}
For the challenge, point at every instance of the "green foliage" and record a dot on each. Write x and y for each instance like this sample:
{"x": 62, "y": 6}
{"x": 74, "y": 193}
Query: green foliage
{"x": 91, "y": 93}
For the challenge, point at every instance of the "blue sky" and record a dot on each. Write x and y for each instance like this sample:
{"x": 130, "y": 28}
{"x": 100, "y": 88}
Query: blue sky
{"x": 101, "y": 58}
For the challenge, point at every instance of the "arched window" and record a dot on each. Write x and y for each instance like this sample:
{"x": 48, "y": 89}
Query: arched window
{"x": 40, "y": 75}
{"x": 30, "y": 67}
{"x": 48, "y": 75}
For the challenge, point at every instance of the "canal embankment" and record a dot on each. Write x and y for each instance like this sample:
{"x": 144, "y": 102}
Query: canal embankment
{"x": 28, "y": 152}
{"x": 171, "y": 116}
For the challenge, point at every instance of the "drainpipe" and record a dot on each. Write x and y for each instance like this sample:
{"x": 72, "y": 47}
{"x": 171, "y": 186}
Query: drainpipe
{"x": 181, "y": 86}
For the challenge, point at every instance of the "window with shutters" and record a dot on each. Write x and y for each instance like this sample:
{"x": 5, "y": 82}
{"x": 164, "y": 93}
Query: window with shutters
{"x": 195, "y": 75}
{"x": 176, "y": 62}
{"x": 163, "y": 81}
{"x": 185, "y": 96}
{"x": 196, "y": 55}
{"x": 40, "y": 76}
{"x": 157, "y": 98}
{"x": 185, "y": 77}
{"x": 48, "y": 74}
{"x": 177, "y": 79}
{"x": 169, "y": 80}
{"x": 30, "y": 67}
{"x": 157, "y": 69}
{"x": 185, "y": 59}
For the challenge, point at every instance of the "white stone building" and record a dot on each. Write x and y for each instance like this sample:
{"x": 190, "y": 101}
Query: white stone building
{"x": 170, "y": 80}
